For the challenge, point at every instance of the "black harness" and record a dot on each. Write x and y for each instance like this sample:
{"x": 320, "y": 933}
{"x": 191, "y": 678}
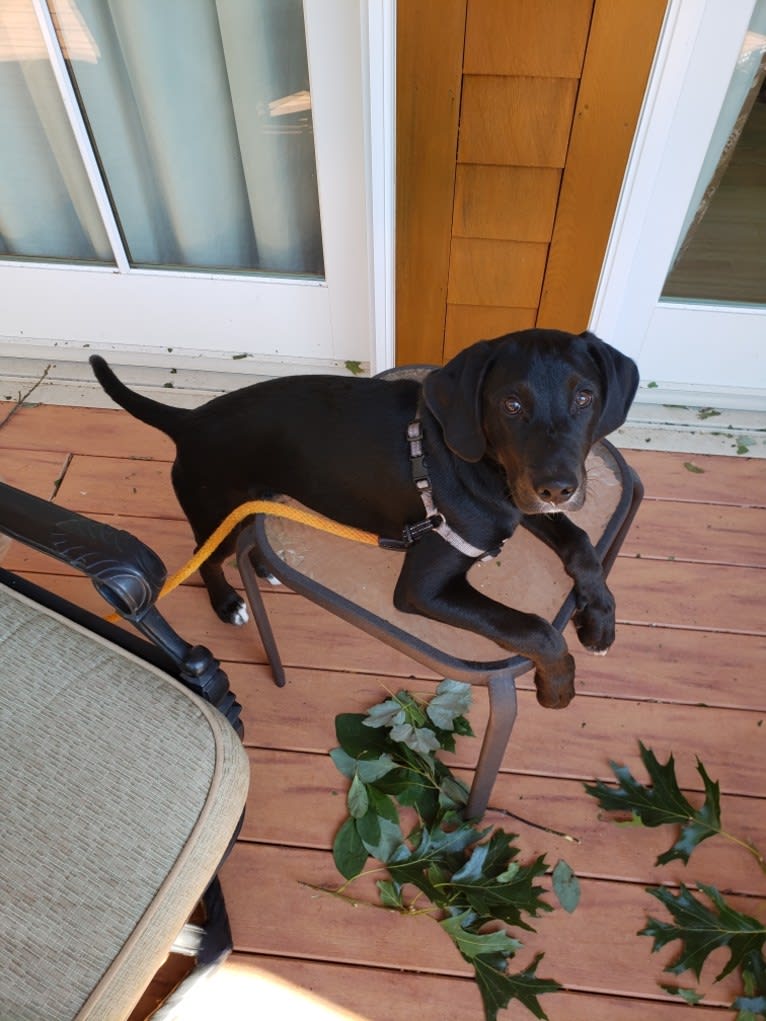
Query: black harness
{"x": 434, "y": 521}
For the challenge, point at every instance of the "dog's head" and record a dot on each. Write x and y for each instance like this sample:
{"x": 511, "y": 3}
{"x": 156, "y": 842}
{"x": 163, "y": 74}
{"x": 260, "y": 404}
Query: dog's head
{"x": 534, "y": 402}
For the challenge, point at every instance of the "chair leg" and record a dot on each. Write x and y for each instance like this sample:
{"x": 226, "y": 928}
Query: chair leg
{"x": 255, "y": 599}
{"x": 502, "y": 716}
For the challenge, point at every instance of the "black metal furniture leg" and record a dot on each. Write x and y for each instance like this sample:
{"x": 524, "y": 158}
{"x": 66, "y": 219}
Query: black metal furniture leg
{"x": 502, "y": 716}
{"x": 245, "y": 546}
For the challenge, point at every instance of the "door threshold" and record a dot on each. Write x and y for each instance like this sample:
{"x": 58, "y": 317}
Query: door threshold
{"x": 695, "y": 428}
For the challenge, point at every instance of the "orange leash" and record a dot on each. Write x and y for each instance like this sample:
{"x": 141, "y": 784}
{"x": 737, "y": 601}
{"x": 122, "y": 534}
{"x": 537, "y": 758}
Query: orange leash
{"x": 246, "y": 510}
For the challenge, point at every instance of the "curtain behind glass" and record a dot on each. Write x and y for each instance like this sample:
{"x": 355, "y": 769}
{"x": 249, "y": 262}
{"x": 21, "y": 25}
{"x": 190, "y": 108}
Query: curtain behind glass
{"x": 47, "y": 207}
{"x": 200, "y": 115}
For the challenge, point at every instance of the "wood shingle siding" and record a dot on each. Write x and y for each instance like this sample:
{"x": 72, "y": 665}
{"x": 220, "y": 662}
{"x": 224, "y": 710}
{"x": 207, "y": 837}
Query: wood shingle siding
{"x": 511, "y": 153}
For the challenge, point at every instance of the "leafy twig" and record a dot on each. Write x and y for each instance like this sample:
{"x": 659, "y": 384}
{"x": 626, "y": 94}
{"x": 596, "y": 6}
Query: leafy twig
{"x": 469, "y": 876}
{"x": 22, "y": 397}
{"x": 698, "y": 927}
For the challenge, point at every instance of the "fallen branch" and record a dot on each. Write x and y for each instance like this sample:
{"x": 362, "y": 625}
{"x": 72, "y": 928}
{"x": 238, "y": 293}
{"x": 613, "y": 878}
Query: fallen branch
{"x": 23, "y": 397}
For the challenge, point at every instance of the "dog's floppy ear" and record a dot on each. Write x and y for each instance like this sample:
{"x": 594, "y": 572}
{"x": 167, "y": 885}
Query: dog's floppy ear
{"x": 619, "y": 375}
{"x": 453, "y": 396}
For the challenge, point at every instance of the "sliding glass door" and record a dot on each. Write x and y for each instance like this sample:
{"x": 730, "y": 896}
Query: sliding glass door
{"x": 191, "y": 173}
{"x": 684, "y": 284}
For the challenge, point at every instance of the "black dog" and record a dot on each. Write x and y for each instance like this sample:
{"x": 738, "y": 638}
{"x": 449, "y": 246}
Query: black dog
{"x": 506, "y": 427}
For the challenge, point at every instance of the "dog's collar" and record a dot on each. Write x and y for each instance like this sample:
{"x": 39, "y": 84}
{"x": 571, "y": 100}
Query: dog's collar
{"x": 433, "y": 521}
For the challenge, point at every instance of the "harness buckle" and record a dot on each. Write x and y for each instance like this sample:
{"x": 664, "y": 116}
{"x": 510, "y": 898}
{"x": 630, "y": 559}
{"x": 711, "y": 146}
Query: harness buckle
{"x": 412, "y": 533}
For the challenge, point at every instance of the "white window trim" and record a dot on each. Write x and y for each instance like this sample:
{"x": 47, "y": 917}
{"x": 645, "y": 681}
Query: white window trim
{"x": 90, "y": 288}
{"x": 675, "y": 117}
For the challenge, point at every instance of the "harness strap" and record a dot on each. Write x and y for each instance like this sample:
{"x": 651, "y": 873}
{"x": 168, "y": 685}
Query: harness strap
{"x": 434, "y": 521}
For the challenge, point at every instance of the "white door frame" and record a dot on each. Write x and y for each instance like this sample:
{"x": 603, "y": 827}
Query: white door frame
{"x": 350, "y": 314}
{"x": 698, "y": 48}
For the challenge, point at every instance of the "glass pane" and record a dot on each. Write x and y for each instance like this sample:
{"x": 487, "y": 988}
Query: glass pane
{"x": 47, "y": 207}
{"x": 723, "y": 253}
{"x": 200, "y": 113}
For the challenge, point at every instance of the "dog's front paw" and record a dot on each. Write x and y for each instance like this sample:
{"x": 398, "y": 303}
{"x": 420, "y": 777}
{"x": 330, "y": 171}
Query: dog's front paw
{"x": 595, "y": 623}
{"x": 555, "y": 685}
{"x": 233, "y": 610}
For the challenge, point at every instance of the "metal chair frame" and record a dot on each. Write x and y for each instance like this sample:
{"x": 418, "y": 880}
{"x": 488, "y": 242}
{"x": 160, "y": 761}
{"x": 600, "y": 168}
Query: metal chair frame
{"x": 499, "y": 676}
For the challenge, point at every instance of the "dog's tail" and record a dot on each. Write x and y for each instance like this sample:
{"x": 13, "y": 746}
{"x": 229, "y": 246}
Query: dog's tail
{"x": 161, "y": 416}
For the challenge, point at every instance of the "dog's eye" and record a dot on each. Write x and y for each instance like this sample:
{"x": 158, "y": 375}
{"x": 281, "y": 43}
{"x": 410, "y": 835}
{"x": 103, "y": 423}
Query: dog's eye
{"x": 583, "y": 399}
{"x": 512, "y": 406}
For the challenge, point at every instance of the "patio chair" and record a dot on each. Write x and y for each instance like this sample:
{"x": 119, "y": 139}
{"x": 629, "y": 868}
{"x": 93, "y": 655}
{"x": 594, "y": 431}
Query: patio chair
{"x": 123, "y": 782}
{"x": 357, "y": 582}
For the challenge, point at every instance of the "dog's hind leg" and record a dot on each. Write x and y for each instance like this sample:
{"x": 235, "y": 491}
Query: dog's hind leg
{"x": 224, "y": 598}
{"x": 205, "y": 512}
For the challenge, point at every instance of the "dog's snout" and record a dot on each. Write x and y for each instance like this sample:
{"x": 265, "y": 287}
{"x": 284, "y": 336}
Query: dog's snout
{"x": 556, "y": 490}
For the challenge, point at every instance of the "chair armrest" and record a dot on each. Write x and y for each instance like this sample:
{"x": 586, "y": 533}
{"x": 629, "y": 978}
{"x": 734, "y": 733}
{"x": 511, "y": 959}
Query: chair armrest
{"x": 125, "y": 572}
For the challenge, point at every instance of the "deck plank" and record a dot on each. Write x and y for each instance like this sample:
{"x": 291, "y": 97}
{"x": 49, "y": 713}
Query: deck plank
{"x": 136, "y": 486}
{"x": 603, "y": 928}
{"x": 577, "y": 743}
{"x": 384, "y": 995}
{"x": 36, "y": 471}
{"x": 705, "y": 596}
{"x": 108, "y": 433}
{"x": 735, "y": 481}
{"x": 291, "y": 784}
{"x": 700, "y": 533}
{"x": 685, "y": 676}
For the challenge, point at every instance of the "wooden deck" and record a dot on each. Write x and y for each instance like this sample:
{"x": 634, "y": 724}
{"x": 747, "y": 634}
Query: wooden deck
{"x": 686, "y": 675}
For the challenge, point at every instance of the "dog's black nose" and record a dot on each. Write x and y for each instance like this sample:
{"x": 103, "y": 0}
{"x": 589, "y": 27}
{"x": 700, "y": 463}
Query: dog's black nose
{"x": 556, "y": 490}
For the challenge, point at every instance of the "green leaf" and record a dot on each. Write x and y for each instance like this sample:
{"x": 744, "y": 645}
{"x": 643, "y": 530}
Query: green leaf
{"x": 357, "y": 799}
{"x": 510, "y": 873}
{"x": 421, "y": 739}
{"x": 702, "y": 930}
{"x": 695, "y": 469}
{"x": 452, "y": 699}
{"x": 379, "y": 829}
{"x": 411, "y": 790}
{"x": 453, "y": 793}
{"x": 472, "y": 944}
{"x": 344, "y": 763}
{"x": 663, "y": 802}
{"x": 435, "y": 847}
{"x": 566, "y": 886}
{"x": 386, "y": 714}
{"x": 390, "y": 894}
{"x": 357, "y": 740}
{"x": 462, "y": 726}
{"x": 691, "y": 996}
{"x": 370, "y": 770}
{"x": 368, "y": 828}
{"x": 493, "y": 890}
{"x": 348, "y": 851}
{"x": 752, "y": 1005}
{"x": 498, "y": 988}
{"x": 382, "y": 805}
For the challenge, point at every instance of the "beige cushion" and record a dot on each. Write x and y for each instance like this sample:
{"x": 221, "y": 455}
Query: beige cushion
{"x": 120, "y": 793}
{"x": 526, "y": 575}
